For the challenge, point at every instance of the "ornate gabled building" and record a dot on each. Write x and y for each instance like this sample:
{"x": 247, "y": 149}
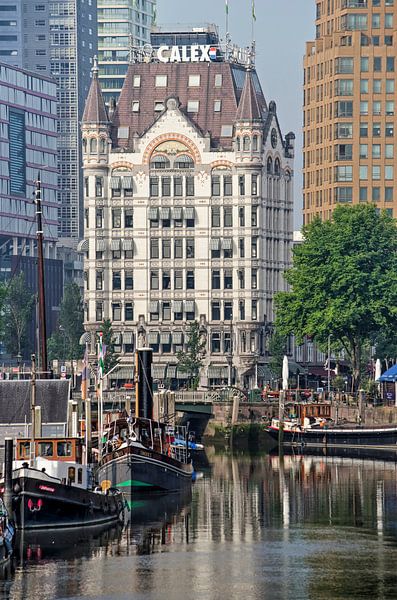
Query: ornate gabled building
{"x": 188, "y": 209}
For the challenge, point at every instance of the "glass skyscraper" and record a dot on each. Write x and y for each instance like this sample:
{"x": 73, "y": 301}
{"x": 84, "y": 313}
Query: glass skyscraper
{"x": 121, "y": 24}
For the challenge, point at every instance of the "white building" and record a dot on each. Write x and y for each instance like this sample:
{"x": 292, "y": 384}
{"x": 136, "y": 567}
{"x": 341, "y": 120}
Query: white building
{"x": 188, "y": 208}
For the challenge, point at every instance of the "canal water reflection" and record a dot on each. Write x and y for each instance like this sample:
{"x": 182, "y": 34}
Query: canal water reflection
{"x": 254, "y": 528}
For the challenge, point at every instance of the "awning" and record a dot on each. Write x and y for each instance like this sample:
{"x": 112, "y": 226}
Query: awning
{"x": 177, "y": 213}
{"x": 127, "y": 183}
{"x": 153, "y": 213}
{"x": 177, "y": 337}
{"x": 128, "y": 244}
{"x": 158, "y": 371}
{"x": 128, "y": 336}
{"x": 171, "y": 371}
{"x": 153, "y": 337}
{"x": 265, "y": 373}
{"x": 100, "y": 246}
{"x": 115, "y": 244}
{"x": 165, "y": 337}
{"x": 181, "y": 375}
{"x": 217, "y": 372}
{"x": 83, "y": 246}
{"x": 115, "y": 183}
{"x": 189, "y": 212}
{"x": 215, "y": 243}
{"x": 178, "y": 306}
{"x": 189, "y": 306}
{"x": 165, "y": 212}
{"x": 154, "y": 306}
{"x": 122, "y": 373}
{"x": 295, "y": 368}
{"x": 227, "y": 244}
{"x": 389, "y": 375}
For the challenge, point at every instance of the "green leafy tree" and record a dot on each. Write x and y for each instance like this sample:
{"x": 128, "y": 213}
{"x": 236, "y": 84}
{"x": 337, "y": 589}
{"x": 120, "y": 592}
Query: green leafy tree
{"x": 386, "y": 347}
{"x": 111, "y": 357}
{"x": 343, "y": 282}
{"x": 277, "y": 348}
{"x": 64, "y": 344}
{"x": 17, "y": 314}
{"x": 190, "y": 361}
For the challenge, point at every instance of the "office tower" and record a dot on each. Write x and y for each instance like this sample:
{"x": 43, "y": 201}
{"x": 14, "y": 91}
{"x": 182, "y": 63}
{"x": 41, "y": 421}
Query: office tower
{"x": 122, "y": 24}
{"x": 28, "y": 111}
{"x": 188, "y": 206}
{"x": 57, "y": 38}
{"x": 349, "y": 107}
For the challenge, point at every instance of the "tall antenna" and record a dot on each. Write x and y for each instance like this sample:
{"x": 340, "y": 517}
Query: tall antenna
{"x": 227, "y": 18}
{"x": 42, "y": 327}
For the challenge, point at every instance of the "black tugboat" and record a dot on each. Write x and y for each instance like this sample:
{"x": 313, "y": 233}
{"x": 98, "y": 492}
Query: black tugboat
{"x": 139, "y": 455}
{"x": 55, "y": 490}
{"x": 48, "y": 486}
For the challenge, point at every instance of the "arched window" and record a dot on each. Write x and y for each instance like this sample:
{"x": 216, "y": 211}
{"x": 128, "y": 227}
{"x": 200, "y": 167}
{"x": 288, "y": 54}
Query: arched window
{"x": 246, "y": 143}
{"x": 238, "y": 144}
{"x": 93, "y": 145}
{"x": 160, "y": 162}
{"x": 269, "y": 166}
{"x": 277, "y": 168}
{"x": 84, "y": 145}
{"x": 184, "y": 162}
{"x": 255, "y": 143}
{"x": 102, "y": 145}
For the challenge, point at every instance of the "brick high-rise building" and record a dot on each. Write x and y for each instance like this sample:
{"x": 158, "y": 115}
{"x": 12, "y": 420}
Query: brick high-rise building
{"x": 349, "y": 107}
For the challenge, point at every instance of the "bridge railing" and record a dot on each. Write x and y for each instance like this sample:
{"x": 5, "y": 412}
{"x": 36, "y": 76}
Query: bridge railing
{"x": 191, "y": 396}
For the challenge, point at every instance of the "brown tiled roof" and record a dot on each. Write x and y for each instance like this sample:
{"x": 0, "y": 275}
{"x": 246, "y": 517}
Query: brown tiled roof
{"x": 95, "y": 109}
{"x": 248, "y": 108}
{"x": 207, "y": 120}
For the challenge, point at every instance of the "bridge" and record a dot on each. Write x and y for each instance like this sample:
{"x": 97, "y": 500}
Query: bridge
{"x": 202, "y": 402}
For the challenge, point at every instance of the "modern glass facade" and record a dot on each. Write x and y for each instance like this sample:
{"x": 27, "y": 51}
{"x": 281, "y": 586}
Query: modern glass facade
{"x": 121, "y": 24}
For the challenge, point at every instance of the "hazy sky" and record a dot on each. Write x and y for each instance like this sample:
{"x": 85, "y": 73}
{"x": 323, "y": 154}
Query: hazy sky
{"x": 281, "y": 30}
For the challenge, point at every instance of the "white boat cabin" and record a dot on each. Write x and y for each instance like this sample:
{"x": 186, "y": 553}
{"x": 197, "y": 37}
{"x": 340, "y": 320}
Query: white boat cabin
{"x": 54, "y": 458}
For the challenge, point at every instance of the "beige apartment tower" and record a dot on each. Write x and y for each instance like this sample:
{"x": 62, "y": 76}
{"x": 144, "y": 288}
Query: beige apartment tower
{"x": 349, "y": 107}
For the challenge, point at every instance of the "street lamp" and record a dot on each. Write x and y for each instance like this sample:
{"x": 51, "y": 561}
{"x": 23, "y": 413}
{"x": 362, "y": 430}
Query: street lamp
{"x": 329, "y": 367}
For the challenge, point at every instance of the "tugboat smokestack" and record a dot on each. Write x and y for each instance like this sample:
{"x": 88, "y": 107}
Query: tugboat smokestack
{"x": 144, "y": 383}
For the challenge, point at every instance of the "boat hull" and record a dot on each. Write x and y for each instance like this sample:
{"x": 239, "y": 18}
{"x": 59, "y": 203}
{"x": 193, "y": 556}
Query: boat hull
{"x": 141, "y": 470}
{"x": 39, "y": 504}
{"x": 356, "y": 437}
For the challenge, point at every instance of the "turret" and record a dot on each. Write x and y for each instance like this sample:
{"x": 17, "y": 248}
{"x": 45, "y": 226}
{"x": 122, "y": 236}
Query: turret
{"x": 95, "y": 122}
{"x": 249, "y": 122}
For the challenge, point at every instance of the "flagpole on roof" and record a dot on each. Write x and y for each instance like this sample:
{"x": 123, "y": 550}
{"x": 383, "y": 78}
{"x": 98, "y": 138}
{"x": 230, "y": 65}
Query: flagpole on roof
{"x": 253, "y": 20}
{"x": 227, "y": 18}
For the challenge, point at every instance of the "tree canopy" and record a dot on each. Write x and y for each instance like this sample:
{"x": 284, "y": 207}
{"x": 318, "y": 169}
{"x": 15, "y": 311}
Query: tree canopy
{"x": 18, "y": 303}
{"x": 64, "y": 344}
{"x": 343, "y": 281}
{"x": 111, "y": 357}
{"x": 190, "y": 361}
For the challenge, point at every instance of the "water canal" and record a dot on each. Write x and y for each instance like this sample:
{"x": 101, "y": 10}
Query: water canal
{"x": 255, "y": 528}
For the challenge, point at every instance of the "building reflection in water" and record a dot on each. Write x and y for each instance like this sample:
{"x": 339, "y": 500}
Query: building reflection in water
{"x": 255, "y": 527}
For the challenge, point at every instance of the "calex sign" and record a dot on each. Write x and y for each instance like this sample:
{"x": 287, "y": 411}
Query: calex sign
{"x": 195, "y": 53}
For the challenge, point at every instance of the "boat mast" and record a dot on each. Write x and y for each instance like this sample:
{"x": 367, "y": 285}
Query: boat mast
{"x": 40, "y": 282}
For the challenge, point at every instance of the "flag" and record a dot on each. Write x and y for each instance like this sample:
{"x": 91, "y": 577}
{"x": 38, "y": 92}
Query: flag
{"x": 85, "y": 375}
{"x": 253, "y": 10}
{"x": 154, "y": 15}
{"x": 227, "y": 6}
{"x": 101, "y": 358}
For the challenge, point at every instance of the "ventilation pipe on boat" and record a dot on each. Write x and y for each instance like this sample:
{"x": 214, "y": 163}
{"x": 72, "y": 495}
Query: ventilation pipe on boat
{"x": 144, "y": 383}
{"x": 8, "y": 456}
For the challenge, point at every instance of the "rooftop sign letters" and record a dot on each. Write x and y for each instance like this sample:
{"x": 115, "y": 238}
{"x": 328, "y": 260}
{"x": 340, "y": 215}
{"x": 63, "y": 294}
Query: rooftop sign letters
{"x": 181, "y": 54}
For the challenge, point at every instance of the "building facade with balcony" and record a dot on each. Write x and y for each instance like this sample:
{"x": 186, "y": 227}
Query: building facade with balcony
{"x": 188, "y": 209}
{"x": 349, "y": 107}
